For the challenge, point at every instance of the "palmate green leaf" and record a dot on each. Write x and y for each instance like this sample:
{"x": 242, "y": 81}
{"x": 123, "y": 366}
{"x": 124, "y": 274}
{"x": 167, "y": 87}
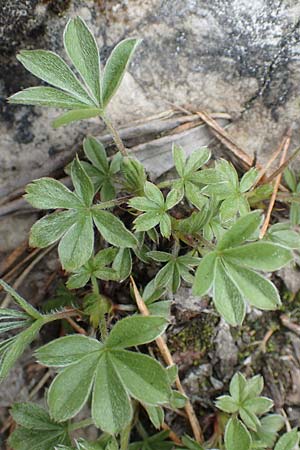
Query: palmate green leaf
{"x": 290, "y": 179}
{"x": 238, "y": 387}
{"x": 249, "y": 419}
{"x": 77, "y": 244}
{"x": 24, "y": 439}
{"x": 82, "y": 183}
{"x": 65, "y": 398}
{"x": 259, "y": 255}
{"x": 82, "y": 50}
{"x": 165, "y": 225}
{"x": 179, "y": 159}
{"x": 241, "y": 231}
{"x": 48, "y": 193}
{"x": 51, "y": 228}
{"x": 196, "y": 160}
{"x": 67, "y": 350}
{"x": 33, "y": 417}
{"x": 91, "y": 366}
{"x": 134, "y": 174}
{"x": 147, "y": 221}
{"x": 154, "y": 194}
{"x": 95, "y": 152}
{"x": 227, "y": 404}
{"x": 51, "y": 68}
{"x": 97, "y": 266}
{"x": 47, "y": 96}
{"x": 237, "y": 436}
{"x": 75, "y": 115}
{"x": 123, "y": 263}
{"x": 256, "y": 289}
{"x": 227, "y": 298}
{"x": 268, "y": 430}
{"x": 115, "y": 68}
{"x": 156, "y": 415}
{"x": 281, "y": 233}
{"x": 17, "y": 347}
{"x": 204, "y": 275}
{"x": 144, "y": 378}
{"x": 113, "y": 230}
{"x": 288, "y": 441}
{"x": 248, "y": 179}
{"x": 259, "y": 405}
{"x": 111, "y": 407}
{"x": 136, "y": 330}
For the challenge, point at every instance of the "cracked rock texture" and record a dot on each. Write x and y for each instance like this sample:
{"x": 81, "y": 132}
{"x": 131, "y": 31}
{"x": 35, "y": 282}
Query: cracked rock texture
{"x": 230, "y": 56}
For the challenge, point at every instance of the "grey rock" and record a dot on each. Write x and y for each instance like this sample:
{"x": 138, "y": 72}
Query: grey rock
{"x": 224, "y": 56}
{"x": 226, "y": 352}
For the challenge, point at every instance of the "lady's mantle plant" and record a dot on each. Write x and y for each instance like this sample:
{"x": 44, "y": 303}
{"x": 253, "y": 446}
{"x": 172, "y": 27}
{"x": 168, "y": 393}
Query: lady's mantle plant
{"x": 214, "y": 247}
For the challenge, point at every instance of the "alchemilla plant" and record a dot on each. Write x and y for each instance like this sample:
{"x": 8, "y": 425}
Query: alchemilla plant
{"x": 215, "y": 249}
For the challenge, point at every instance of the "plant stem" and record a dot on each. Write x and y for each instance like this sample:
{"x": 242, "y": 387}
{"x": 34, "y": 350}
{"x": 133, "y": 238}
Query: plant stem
{"x": 102, "y": 321}
{"x": 115, "y": 135}
{"x": 124, "y": 437}
{"x": 82, "y": 424}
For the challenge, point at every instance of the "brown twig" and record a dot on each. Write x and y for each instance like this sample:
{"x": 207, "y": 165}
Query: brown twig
{"x": 283, "y": 166}
{"x": 264, "y": 169}
{"x": 75, "y": 326}
{"x": 173, "y": 436}
{"x": 165, "y": 352}
{"x": 285, "y": 146}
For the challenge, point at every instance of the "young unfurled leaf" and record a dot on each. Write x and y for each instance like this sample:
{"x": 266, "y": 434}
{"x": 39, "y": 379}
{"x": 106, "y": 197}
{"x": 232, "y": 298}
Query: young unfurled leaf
{"x": 155, "y": 209}
{"x": 237, "y": 436}
{"x": 134, "y": 175}
{"x": 82, "y": 50}
{"x": 95, "y": 365}
{"x": 100, "y": 171}
{"x": 188, "y": 172}
{"x": 176, "y": 268}
{"x": 116, "y": 66}
{"x": 97, "y": 266}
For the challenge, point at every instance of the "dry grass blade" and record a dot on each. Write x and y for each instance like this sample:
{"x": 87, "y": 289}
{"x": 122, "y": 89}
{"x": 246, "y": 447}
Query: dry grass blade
{"x": 165, "y": 352}
{"x": 264, "y": 169}
{"x": 285, "y": 147}
{"x": 246, "y": 160}
{"x": 283, "y": 166}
